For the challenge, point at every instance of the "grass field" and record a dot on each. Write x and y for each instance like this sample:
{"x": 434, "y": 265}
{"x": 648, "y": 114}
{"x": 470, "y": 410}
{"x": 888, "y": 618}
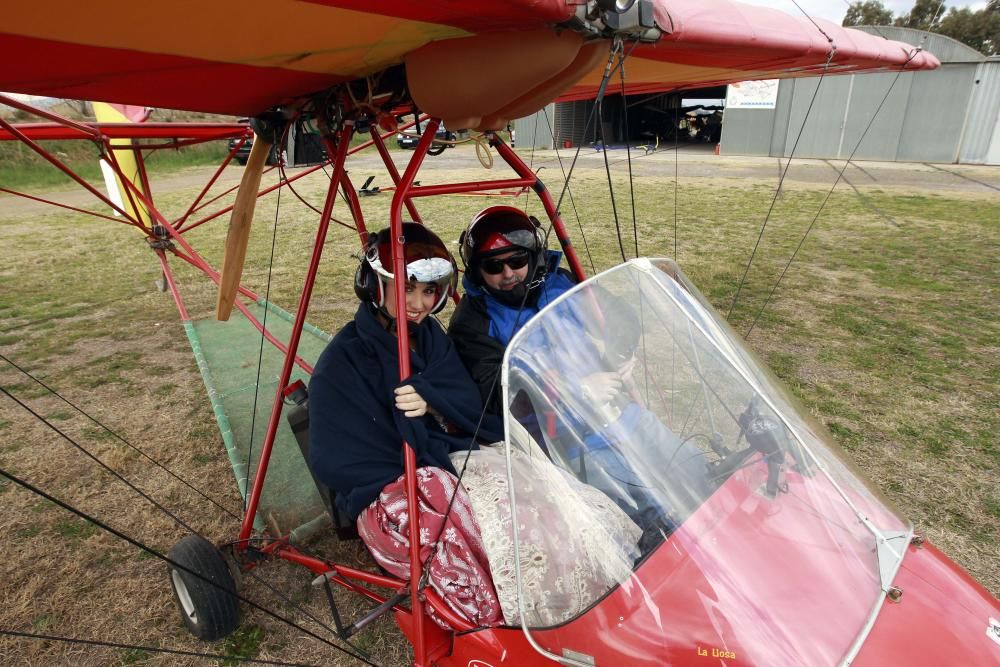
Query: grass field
{"x": 885, "y": 327}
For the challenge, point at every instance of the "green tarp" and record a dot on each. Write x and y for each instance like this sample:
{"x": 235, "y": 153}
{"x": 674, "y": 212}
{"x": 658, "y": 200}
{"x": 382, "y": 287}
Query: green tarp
{"x": 227, "y": 354}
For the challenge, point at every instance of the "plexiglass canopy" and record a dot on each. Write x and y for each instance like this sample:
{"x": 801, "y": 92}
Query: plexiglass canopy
{"x": 734, "y": 525}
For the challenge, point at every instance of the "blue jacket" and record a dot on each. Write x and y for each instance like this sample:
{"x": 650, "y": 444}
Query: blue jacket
{"x": 481, "y": 326}
{"x": 355, "y": 431}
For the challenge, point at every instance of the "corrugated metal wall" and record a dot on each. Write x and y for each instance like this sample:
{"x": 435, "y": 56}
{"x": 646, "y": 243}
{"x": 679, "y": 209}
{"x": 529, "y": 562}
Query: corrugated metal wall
{"x": 939, "y": 116}
{"x": 951, "y": 114}
{"x": 981, "y": 140}
{"x": 571, "y": 122}
{"x": 947, "y": 115}
{"x": 536, "y": 129}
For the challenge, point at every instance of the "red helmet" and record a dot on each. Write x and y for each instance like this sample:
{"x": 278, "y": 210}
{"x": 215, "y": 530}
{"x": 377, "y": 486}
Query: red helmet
{"x": 426, "y": 258}
{"x": 497, "y": 229}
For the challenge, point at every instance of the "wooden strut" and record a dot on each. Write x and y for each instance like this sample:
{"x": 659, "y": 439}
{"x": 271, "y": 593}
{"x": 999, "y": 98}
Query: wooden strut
{"x": 239, "y": 229}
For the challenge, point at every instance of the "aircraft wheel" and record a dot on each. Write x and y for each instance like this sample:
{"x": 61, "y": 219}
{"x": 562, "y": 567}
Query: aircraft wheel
{"x": 437, "y": 149}
{"x": 210, "y": 612}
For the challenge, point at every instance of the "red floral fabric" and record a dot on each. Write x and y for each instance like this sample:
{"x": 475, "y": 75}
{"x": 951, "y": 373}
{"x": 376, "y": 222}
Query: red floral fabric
{"x": 459, "y": 570}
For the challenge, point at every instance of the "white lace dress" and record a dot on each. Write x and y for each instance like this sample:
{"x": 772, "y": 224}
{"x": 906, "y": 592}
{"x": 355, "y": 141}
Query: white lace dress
{"x": 574, "y": 542}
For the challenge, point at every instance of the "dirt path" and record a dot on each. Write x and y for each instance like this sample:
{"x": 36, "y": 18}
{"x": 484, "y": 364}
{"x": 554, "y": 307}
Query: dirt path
{"x": 691, "y": 163}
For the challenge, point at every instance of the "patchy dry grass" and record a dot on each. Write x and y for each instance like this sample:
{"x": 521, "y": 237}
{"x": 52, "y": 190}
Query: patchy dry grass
{"x": 886, "y": 328}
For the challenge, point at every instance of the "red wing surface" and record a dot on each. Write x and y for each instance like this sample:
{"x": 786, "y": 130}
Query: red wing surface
{"x": 244, "y": 57}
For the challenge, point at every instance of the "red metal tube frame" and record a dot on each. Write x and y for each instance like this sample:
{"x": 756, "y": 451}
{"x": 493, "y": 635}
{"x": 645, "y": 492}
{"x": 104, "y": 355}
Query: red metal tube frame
{"x": 390, "y": 167}
{"x": 268, "y": 190}
{"x": 470, "y": 186}
{"x": 517, "y": 164}
{"x": 66, "y": 206}
{"x": 218, "y": 172}
{"x": 401, "y": 194}
{"x": 196, "y": 259}
{"x": 251, "y": 318}
{"x": 340, "y": 151}
{"x": 66, "y": 170}
{"x": 213, "y": 274}
{"x": 80, "y": 127}
{"x": 140, "y": 163}
{"x": 169, "y": 277}
{"x": 110, "y": 156}
{"x": 351, "y": 195}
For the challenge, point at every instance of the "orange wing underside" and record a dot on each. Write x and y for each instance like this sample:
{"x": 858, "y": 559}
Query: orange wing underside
{"x": 499, "y": 59}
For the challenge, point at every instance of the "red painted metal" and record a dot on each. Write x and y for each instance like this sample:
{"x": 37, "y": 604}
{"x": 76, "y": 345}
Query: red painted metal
{"x": 71, "y": 208}
{"x": 66, "y": 170}
{"x": 111, "y": 158}
{"x": 436, "y": 641}
{"x": 470, "y": 186}
{"x": 346, "y": 576}
{"x": 390, "y": 167}
{"x": 196, "y": 259}
{"x": 260, "y": 194}
{"x": 420, "y": 630}
{"x": 173, "y": 286}
{"x": 82, "y": 128}
{"x": 213, "y": 274}
{"x": 215, "y": 176}
{"x": 285, "y": 551}
{"x": 64, "y": 129}
{"x": 498, "y": 646}
{"x": 140, "y": 163}
{"x": 351, "y": 195}
{"x": 518, "y": 165}
{"x": 272, "y": 188}
{"x": 259, "y": 326}
{"x": 442, "y": 610}
{"x": 940, "y": 619}
{"x": 340, "y": 151}
{"x": 251, "y": 318}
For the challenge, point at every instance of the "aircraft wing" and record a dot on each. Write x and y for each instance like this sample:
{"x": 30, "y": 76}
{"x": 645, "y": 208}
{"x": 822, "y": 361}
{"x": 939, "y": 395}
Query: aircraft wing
{"x": 242, "y": 58}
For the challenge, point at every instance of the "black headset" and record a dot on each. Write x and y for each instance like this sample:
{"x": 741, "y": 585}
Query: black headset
{"x": 367, "y": 284}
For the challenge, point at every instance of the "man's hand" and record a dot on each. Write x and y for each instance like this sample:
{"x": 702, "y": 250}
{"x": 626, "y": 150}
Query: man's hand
{"x": 626, "y": 372}
{"x": 601, "y": 387}
{"x": 410, "y": 402}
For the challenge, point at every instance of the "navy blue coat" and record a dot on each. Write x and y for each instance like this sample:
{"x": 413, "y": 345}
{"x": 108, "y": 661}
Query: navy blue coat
{"x": 355, "y": 431}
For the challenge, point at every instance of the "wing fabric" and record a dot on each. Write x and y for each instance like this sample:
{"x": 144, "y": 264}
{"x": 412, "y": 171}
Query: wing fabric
{"x": 245, "y": 57}
{"x": 714, "y": 42}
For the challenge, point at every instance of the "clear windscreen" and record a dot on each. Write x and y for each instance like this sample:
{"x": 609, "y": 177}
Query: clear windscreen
{"x": 659, "y": 472}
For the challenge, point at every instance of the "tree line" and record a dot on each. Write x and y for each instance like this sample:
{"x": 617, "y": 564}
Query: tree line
{"x": 980, "y": 29}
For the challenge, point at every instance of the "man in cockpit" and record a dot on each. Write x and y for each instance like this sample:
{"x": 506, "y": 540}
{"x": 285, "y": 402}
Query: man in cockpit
{"x": 509, "y": 276}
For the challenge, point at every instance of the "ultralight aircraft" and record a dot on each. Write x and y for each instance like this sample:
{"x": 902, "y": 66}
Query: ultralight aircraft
{"x": 785, "y": 557}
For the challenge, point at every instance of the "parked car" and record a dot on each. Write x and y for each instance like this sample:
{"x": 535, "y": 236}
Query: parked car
{"x": 243, "y": 154}
{"x": 409, "y": 140}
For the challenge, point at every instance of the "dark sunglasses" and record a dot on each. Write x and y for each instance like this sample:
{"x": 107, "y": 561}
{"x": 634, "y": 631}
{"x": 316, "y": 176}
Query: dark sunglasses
{"x": 494, "y": 265}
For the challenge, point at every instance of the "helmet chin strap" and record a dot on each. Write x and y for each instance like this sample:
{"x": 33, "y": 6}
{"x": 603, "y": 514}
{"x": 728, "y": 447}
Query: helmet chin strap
{"x": 510, "y": 297}
{"x": 382, "y": 314}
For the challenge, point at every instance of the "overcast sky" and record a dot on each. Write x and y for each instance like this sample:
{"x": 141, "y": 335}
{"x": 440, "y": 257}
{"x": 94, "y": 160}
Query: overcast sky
{"x": 834, "y": 10}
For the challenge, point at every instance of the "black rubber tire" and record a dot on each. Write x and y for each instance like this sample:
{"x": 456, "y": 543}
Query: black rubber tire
{"x": 210, "y": 612}
{"x": 436, "y": 149}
